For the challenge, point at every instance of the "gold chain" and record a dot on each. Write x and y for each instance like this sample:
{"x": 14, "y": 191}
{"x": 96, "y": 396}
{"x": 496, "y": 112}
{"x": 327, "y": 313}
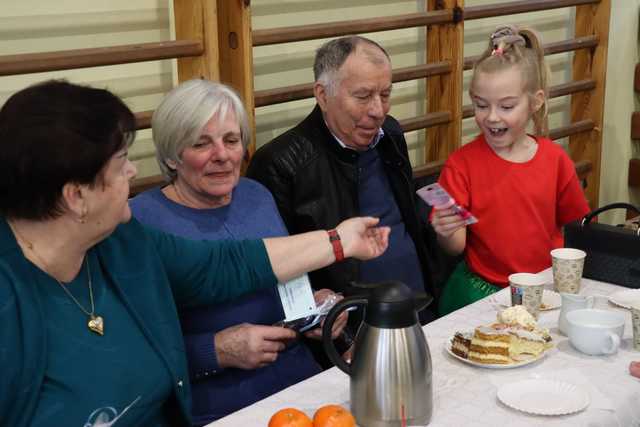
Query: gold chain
{"x": 93, "y": 310}
{"x": 95, "y": 322}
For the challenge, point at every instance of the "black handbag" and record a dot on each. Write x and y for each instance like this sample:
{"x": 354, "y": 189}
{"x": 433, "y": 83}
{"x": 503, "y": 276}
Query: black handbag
{"x": 613, "y": 252}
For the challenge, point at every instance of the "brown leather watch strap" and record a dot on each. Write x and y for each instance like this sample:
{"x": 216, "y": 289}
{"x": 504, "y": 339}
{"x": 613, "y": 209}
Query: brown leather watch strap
{"x": 334, "y": 238}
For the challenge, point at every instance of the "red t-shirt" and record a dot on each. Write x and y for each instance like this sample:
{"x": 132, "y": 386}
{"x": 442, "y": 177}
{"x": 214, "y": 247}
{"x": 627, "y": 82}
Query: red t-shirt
{"x": 520, "y": 207}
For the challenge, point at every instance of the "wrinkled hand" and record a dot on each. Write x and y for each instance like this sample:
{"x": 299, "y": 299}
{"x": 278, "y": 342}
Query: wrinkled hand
{"x": 338, "y": 325}
{"x": 248, "y": 346}
{"x": 446, "y": 222}
{"x": 362, "y": 239}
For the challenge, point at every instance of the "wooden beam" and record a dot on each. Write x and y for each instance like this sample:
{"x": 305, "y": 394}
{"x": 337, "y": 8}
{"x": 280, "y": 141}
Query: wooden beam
{"x": 589, "y": 105}
{"x": 583, "y": 168}
{"x": 571, "y": 129}
{"x": 636, "y": 79}
{"x": 515, "y": 7}
{"x": 634, "y": 173}
{"x": 140, "y": 185}
{"x": 436, "y": 68}
{"x": 426, "y": 121}
{"x": 569, "y": 88}
{"x": 343, "y": 28}
{"x": 143, "y": 119}
{"x": 586, "y": 42}
{"x": 282, "y": 94}
{"x": 80, "y": 58}
{"x": 445, "y": 42}
{"x": 236, "y": 55}
{"x": 305, "y": 90}
{"x": 427, "y": 169}
{"x": 635, "y": 125}
{"x": 196, "y": 20}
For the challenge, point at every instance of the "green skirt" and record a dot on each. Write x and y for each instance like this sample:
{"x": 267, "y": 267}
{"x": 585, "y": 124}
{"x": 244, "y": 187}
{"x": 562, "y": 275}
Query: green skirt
{"x": 463, "y": 288}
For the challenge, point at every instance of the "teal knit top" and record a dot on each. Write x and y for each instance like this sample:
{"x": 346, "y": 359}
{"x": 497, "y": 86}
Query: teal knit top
{"x": 140, "y": 278}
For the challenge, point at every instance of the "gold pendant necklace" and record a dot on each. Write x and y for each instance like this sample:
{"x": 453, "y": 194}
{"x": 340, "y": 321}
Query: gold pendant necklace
{"x": 95, "y": 323}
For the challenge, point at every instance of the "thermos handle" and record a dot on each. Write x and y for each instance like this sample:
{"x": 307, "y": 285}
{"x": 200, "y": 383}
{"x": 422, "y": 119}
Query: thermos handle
{"x": 329, "y": 347}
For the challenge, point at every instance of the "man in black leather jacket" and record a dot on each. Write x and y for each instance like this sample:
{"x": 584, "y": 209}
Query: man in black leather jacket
{"x": 349, "y": 158}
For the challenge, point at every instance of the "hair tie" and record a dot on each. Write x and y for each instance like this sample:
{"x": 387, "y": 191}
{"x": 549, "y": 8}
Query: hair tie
{"x": 505, "y": 36}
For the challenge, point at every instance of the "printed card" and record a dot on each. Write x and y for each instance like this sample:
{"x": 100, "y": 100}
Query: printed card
{"x": 297, "y": 298}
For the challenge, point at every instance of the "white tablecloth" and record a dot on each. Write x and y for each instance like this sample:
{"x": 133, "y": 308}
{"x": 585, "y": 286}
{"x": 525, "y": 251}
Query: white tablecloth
{"x": 466, "y": 395}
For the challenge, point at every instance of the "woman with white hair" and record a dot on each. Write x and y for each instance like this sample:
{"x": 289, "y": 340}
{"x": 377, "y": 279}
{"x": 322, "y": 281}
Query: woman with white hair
{"x": 235, "y": 355}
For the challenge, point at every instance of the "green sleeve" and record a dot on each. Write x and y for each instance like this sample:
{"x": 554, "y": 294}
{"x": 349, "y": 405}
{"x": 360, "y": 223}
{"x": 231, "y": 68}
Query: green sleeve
{"x": 205, "y": 272}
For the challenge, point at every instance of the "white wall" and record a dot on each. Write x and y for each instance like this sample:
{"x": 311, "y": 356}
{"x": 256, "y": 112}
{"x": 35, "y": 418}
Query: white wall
{"x": 620, "y": 102}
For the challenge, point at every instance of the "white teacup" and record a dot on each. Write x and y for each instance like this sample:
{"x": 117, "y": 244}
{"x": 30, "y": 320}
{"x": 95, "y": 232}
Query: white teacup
{"x": 595, "y": 332}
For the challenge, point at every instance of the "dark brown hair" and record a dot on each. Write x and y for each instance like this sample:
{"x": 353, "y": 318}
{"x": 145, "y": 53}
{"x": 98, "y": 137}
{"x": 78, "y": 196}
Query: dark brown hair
{"x": 54, "y": 133}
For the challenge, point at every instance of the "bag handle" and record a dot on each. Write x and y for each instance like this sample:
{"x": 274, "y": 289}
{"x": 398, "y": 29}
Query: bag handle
{"x": 620, "y": 205}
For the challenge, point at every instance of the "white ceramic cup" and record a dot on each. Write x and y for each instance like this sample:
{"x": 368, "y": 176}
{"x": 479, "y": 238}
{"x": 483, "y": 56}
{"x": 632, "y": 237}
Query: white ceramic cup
{"x": 594, "y": 331}
{"x": 567, "y": 265}
{"x": 526, "y": 290}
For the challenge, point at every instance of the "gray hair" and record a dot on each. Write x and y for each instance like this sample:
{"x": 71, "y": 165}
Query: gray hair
{"x": 182, "y": 114}
{"x": 331, "y": 55}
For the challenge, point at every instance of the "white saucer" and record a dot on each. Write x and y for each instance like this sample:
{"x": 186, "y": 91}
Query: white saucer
{"x": 544, "y": 397}
{"x": 625, "y": 298}
{"x": 550, "y": 300}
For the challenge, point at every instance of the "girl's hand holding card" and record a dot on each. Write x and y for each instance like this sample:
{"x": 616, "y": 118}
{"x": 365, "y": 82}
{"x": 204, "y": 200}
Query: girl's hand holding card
{"x": 447, "y": 217}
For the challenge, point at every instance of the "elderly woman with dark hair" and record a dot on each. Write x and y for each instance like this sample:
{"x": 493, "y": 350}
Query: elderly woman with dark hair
{"x": 88, "y": 297}
{"x": 235, "y": 356}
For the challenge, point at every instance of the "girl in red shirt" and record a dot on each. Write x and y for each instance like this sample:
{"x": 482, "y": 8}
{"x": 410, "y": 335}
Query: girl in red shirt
{"x": 522, "y": 188}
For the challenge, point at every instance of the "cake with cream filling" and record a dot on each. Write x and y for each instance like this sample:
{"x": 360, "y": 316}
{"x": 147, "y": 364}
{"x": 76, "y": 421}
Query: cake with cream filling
{"x": 490, "y": 346}
{"x": 526, "y": 344}
{"x": 519, "y": 319}
{"x": 513, "y": 338}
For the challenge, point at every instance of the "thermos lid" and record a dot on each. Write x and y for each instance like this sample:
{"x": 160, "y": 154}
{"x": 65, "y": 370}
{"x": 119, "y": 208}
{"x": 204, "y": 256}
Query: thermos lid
{"x": 393, "y": 304}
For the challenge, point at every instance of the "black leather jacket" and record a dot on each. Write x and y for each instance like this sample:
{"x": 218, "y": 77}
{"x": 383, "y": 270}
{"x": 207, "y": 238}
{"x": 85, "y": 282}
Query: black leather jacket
{"x": 314, "y": 183}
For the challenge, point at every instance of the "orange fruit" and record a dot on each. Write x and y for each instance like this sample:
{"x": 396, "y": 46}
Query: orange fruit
{"x": 333, "y": 416}
{"x": 290, "y": 417}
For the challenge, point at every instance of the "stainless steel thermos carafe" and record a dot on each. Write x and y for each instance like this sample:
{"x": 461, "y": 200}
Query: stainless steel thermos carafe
{"x": 390, "y": 372}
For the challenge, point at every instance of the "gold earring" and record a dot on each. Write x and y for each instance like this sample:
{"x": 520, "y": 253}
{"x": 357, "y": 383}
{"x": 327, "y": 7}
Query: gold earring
{"x": 83, "y": 216}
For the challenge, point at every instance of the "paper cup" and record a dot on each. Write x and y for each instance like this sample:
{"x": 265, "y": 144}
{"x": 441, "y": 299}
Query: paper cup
{"x": 526, "y": 290}
{"x": 635, "y": 322}
{"x": 567, "y": 264}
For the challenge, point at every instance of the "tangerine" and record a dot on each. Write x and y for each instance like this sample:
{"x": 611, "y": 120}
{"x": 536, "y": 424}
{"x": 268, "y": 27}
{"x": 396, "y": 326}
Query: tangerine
{"x": 333, "y": 416}
{"x": 290, "y": 417}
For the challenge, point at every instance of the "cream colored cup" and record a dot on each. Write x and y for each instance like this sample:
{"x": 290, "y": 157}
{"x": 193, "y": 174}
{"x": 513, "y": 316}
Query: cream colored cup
{"x": 526, "y": 290}
{"x": 567, "y": 265}
{"x": 635, "y": 322}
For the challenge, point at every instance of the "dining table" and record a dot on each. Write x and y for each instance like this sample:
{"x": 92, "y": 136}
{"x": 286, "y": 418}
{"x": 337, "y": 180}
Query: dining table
{"x": 467, "y": 395}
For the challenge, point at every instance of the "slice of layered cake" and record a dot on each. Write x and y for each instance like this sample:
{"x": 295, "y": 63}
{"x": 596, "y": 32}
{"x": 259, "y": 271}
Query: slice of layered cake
{"x": 490, "y": 346}
{"x": 526, "y": 344}
{"x": 528, "y": 340}
{"x": 461, "y": 343}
